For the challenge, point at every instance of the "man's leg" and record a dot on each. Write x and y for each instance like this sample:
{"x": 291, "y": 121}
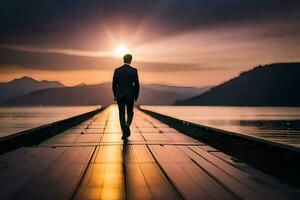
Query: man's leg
{"x": 121, "y": 106}
{"x": 129, "y": 106}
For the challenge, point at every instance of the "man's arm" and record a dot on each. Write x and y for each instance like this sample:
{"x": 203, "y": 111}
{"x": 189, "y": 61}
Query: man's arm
{"x": 114, "y": 84}
{"x": 137, "y": 86}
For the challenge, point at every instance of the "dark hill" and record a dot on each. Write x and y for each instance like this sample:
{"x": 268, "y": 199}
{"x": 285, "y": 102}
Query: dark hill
{"x": 101, "y": 94}
{"x": 269, "y": 85}
{"x": 24, "y": 85}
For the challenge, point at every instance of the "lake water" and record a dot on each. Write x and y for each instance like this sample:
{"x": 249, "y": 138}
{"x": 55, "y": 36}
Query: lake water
{"x": 16, "y": 119}
{"x": 279, "y": 124}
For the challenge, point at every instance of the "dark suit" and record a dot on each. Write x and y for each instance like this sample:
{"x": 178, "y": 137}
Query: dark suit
{"x": 126, "y": 89}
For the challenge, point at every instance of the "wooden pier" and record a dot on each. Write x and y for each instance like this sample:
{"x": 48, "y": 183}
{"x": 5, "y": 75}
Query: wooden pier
{"x": 90, "y": 161}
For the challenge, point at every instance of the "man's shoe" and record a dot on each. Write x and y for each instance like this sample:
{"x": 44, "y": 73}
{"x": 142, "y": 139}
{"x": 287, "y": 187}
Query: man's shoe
{"x": 128, "y": 132}
{"x": 124, "y": 137}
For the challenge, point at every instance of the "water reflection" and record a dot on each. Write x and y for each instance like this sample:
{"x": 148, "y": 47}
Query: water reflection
{"x": 16, "y": 119}
{"x": 279, "y": 124}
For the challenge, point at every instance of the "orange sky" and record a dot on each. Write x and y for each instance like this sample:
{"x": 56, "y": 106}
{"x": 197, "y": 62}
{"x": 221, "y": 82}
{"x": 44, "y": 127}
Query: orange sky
{"x": 195, "y": 58}
{"x": 190, "y": 43}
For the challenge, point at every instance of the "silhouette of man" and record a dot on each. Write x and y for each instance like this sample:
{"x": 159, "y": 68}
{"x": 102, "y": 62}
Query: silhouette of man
{"x": 126, "y": 90}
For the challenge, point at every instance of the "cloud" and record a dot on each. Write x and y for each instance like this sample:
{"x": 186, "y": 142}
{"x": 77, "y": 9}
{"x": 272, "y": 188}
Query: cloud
{"x": 65, "y": 59}
{"x": 86, "y": 24}
{"x": 72, "y": 52}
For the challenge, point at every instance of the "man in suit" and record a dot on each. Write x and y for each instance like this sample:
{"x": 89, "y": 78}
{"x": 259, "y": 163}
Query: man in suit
{"x": 126, "y": 91}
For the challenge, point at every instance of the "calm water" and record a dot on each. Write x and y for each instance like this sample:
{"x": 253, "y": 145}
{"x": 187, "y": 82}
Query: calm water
{"x": 16, "y": 119}
{"x": 279, "y": 124}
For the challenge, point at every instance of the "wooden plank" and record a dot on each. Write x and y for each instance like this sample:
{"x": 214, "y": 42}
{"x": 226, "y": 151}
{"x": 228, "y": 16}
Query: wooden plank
{"x": 74, "y": 144}
{"x": 61, "y": 138}
{"x": 100, "y": 123}
{"x": 143, "y": 124}
{"x": 150, "y": 182}
{"x": 136, "y": 137}
{"x": 251, "y": 181}
{"x": 149, "y": 137}
{"x": 142, "y": 172}
{"x": 62, "y": 176}
{"x": 94, "y": 131}
{"x": 168, "y": 130}
{"x": 112, "y": 131}
{"x": 103, "y": 181}
{"x": 96, "y": 126}
{"x": 16, "y": 155}
{"x": 137, "y": 154}
{"x": 136, "y": 185}
{"x": 112, "y": 125}
{"x": 111, "y": 138}
{"x": 260, "y": 176}
{"x": 239, "y": 189}
{"x": 179, "y": 137}
{"x": 108, "y": 154}
{"x": 24, "y": 168}
{"x": 85, "y": 138}
{"x": 158, "y": 184}
{"x": 105, "y": 177}
{"x": 85, "y": 155}
{"x": 49, "y": 185}
{"x": 148, "y": 130}
{"x": 135, "y": 178}
{"x": 174, "y": 162}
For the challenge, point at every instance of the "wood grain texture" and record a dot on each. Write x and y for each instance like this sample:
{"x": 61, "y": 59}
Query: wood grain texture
{"x": 90, "y": 161}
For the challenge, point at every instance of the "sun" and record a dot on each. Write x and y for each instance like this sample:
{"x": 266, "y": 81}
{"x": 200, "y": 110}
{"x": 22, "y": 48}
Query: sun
{"x": 121, "y": 50}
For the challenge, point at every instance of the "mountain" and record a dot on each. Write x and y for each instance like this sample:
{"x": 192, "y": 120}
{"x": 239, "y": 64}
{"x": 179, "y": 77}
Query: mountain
{"x": 80, "y": 85}
{"x": 185, "y": 91}
{"x": 24, "y": 85}
{"x": 269, "y": 85}
{"x": 100, "y": 94}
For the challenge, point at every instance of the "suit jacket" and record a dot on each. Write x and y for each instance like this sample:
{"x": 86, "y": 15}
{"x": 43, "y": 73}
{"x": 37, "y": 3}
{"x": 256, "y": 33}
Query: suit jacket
{"x": 126, "y": 83}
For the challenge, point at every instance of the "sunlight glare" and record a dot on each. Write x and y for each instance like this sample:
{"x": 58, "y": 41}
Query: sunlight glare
{"x": 121, "y": 50}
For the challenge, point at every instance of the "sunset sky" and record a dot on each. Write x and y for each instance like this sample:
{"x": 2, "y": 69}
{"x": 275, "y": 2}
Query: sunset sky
{"x": 176, "y": 42}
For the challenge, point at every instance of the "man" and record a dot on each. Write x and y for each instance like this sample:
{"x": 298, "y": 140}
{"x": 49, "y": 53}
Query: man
{"x": 126, "y": 90}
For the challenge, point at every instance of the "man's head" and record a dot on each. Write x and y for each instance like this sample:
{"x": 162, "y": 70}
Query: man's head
{"x": 127, "y": 58}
